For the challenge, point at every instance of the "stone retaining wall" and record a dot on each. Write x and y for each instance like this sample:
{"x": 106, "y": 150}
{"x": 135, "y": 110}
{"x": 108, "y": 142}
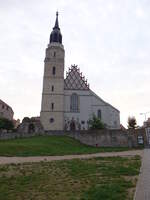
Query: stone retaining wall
{"x": 110, "y": 138}
{"x": 105, "y": 138}
{"x": 99, "y": 138}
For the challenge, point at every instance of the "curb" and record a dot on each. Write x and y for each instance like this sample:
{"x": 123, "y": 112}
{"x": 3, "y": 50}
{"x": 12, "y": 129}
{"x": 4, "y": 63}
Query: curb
{"x": 139, "y": 176}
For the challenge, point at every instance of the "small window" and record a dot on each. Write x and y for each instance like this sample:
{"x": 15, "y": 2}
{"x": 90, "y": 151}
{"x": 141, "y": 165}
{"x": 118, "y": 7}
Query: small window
{"x": 54, "y": 54}
{"x": 51, "y": 120}
{"x": 54, "y": 70}
{"x": 99, "y": 114}
{"x": 52, "y": 106}
{"x": 52, "y": 88}
{"x": 82, "y": 122}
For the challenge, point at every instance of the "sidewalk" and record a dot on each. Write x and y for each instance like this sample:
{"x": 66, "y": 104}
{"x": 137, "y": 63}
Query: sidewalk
{"x": 143, "y": 185}
{"x": 9, "y": 160}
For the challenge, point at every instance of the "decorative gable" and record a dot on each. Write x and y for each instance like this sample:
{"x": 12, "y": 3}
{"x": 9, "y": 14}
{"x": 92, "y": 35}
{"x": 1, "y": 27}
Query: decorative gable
{"x": 75, "y": 80}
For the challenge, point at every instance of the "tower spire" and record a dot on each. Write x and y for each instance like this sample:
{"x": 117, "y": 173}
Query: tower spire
{"x": 56, "y": 22}
{"x": 55, "y": 35}
{"x": 52, "y": 107}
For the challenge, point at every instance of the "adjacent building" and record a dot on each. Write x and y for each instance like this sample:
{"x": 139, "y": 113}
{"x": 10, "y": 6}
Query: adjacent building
{"x": 6, "y": 111}
{"x": 68, "y": 103}
{"x": 146, "y": 125}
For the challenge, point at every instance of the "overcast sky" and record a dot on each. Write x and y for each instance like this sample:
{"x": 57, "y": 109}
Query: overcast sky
{"x": 108, "y": 40}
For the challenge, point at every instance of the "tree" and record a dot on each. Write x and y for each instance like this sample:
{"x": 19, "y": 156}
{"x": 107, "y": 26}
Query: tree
{"x": 95, "y": 123}
{"x": 26, "y": 119}
{"x": 132, "y": 124}
{"x": 6, "y": 124}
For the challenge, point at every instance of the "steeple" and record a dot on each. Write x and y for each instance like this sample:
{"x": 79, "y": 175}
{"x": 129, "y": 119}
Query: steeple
{"x": 52, "y": 107}
{"x": 55, "y": 35}
{"x": 56, "y": 22}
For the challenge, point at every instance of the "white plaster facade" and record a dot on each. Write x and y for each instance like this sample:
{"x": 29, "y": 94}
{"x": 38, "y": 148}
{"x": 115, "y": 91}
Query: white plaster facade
{"x": 56, "y": 109}
{"x": 89, "y": 104}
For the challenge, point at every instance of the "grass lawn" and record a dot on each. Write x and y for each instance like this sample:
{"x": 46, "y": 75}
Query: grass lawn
{"x": 49, "y": 145}
{"x": 92, "y": 179}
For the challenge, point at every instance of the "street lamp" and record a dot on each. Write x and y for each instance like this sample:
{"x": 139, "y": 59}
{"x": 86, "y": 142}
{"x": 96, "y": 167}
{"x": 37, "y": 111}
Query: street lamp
{"x": 145, "y": 113}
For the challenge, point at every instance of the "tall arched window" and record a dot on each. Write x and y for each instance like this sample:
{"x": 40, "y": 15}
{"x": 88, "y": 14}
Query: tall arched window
{"x": 99, "y": 114}
{"x": 74, "y": 103}
{"x": 54, "y": 70}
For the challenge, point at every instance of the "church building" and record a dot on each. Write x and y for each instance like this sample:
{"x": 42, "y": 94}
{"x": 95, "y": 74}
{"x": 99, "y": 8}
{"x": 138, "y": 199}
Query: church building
{"x": 68, "y": 103}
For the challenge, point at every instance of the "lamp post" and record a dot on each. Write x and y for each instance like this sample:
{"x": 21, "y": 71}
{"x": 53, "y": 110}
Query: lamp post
{"x": 145, "y": 113}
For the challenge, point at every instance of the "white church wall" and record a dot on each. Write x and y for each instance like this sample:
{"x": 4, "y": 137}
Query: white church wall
{"x": 89, "y": 104}
{"x": 110, "y": 115}
{"x": 104, "y": 112}
{"x": 84, "y": 107}
{"x": 114, "y": 117}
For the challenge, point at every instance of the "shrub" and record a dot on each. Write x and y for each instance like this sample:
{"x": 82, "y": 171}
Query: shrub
{"x": 26, "y": 119}
{"x": 95, "y": 123}
{"x": 6, "y": 124}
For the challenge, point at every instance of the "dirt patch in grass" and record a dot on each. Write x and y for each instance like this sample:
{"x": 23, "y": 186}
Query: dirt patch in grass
{"x": 98, "y": 178}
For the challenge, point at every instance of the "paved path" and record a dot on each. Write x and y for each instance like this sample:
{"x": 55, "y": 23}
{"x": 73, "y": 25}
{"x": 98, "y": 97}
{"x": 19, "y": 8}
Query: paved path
{"x": 9, "y": 160}
{"x": 143, "y": 185}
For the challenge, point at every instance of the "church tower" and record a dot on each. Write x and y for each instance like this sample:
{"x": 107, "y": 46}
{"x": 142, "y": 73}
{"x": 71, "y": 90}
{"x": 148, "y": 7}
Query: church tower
{"x": 52, "y": 109}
